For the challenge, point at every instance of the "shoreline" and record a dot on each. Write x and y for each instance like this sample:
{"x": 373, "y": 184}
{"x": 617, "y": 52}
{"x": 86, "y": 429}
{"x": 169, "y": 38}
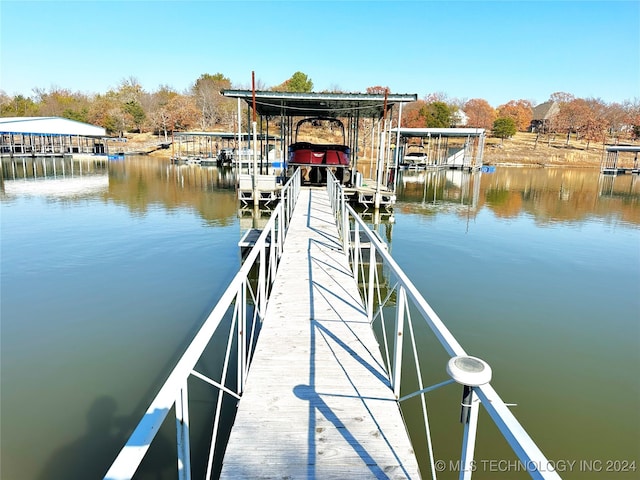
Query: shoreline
{"x": 522, "y": 150}
{"x": 538, "y": 165}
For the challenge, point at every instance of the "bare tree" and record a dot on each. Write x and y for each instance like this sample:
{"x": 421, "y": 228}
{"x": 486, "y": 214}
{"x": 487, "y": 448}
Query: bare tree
{"x": 209, "y": 101}
{"x": 616, "y": 119}
{"x": 561, "y": 97}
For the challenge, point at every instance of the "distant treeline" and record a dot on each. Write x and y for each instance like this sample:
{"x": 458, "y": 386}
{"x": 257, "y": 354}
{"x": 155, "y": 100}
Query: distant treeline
{"x": 129, "y": 108}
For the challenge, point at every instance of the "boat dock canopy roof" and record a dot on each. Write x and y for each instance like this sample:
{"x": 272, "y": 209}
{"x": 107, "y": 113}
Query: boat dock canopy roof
{"x": 311, "y": 104}
{"x": 49, "y": 126}
{"x": 442, "y": 132}
{"x": 623, "y": 148}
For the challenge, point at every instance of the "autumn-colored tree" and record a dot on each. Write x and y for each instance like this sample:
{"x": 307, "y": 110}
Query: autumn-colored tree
{"x": 573, "y": 117}
{"x": 184, "y": 113}
{"x": 159, "y": 117}
{"x": 504, "y": 127}
{"x": 411, "y": 115}
{"x": 595, "y": 123}
{"x": 520, "y": 110}
{"x": 129, "y": 107}
{"x": 479, "y": 113}
{"x": 59, "y": 102}
{"x": 105, "y": 111}
{"x": 119, "y": 110}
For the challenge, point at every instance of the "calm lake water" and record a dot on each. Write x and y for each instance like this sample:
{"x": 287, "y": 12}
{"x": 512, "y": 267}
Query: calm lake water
{"x": 108, "y": 272}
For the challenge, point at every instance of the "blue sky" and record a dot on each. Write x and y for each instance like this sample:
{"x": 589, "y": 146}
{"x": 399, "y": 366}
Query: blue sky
{"x": 495, "y": 50}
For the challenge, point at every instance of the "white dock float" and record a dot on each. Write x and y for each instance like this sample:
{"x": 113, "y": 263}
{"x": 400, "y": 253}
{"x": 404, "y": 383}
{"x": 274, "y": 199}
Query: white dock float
{"x": 317, "y": 402}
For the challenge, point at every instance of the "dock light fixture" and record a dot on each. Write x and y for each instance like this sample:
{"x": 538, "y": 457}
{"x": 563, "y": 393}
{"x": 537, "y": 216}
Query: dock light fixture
{"x": 469, "y": 372}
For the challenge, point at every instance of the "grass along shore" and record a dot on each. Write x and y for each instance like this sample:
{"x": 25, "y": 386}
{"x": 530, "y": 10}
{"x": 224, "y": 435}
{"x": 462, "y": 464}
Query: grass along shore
{"x": 522, "y": 149}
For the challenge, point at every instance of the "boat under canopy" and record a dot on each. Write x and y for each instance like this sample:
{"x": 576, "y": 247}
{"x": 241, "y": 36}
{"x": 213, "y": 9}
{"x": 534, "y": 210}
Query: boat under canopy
{"x": 341, "y": 111}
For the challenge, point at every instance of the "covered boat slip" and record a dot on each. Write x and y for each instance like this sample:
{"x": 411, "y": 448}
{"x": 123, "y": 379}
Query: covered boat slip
{"x": 47, "y": 136}
{"x": 614, "y": 163}
{"x": 457, "y": 148}
{"x": 283, "y": 110}
{"x": 224, "y": 148}
{"x": 317, "y": 402}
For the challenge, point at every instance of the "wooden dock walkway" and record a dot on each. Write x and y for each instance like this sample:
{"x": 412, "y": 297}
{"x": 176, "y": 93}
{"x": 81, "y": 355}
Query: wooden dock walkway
{"x": 317, "y": 402}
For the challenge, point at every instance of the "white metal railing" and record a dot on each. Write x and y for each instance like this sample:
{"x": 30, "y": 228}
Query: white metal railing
{"x": 409, "y": 299}
{"x": 245, "y": 300}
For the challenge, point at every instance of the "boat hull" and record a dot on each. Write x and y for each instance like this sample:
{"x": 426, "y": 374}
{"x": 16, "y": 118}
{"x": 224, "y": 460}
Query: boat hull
{"x": 315, "y": 159}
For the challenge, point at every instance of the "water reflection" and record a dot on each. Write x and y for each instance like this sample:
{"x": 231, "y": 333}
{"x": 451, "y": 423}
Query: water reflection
{"x": 50, "y": 167}
{"x": 143, "y": 182}
{"x": 619, "y": 185}
{"x": 548, "y": 195}
{"x": 438, "y": 188}
{"x": 58, "y": 188}
{"x": 113, "y": 279}
{"x": 53, "y": 178}
{"x": 139, "y": 183}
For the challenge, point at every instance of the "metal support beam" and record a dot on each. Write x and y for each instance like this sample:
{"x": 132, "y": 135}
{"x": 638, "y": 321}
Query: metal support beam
{"x": 469, "y": 417}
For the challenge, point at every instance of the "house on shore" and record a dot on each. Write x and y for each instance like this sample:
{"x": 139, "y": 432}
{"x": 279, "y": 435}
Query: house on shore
{"x": 542, "y": 116}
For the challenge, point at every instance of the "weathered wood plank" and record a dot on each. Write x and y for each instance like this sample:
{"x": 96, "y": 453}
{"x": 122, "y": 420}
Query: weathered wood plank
{"x": 317, "y": 403}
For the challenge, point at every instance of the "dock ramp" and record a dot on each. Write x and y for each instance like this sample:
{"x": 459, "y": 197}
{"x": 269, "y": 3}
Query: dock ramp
{"x": 317, "y": 402}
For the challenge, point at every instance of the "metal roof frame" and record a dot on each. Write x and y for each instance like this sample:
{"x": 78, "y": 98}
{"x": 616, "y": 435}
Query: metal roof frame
{"x": 54, "y": 126}
{"x": 333, "y": 105}
{"x": 623, "y": 148}
{"x": 442, "y": 132}
{"x": 227, "y": 135}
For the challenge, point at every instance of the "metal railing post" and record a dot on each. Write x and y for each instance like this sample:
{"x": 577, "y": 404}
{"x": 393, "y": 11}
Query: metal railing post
{"x": 182, "y": 433}
{"x": 277, "y": 225}
{"x": 356, "y": 250}
{"x": 371, "y": 285}
{"x": 242, "y": 323}
{"x": 262, "y": 282}
{"x": 346, "y": 234}
{"x": 397, "y": 342}
{"x": 283, "y": 203}
{"x": 283, "y": 229}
